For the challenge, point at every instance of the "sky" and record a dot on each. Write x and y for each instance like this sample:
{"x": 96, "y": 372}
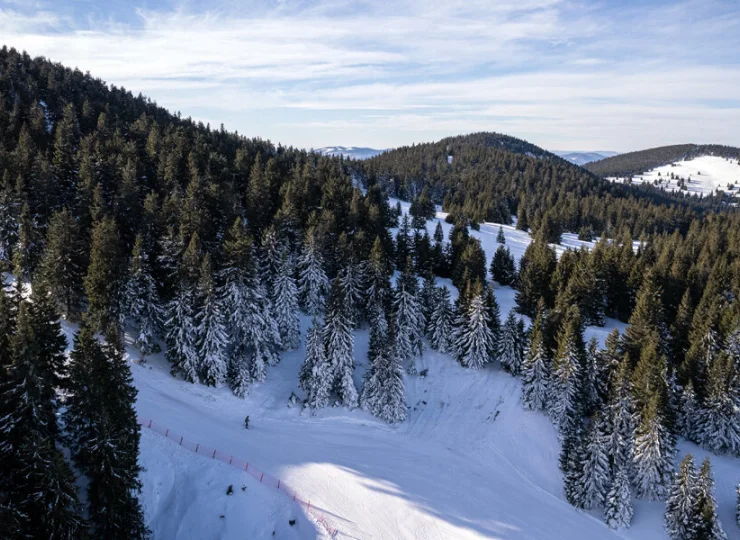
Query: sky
{"x": 615, "y": 75}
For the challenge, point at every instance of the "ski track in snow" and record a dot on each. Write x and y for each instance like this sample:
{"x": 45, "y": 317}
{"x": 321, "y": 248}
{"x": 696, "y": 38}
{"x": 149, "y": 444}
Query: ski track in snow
{"x": 468, "y": 463}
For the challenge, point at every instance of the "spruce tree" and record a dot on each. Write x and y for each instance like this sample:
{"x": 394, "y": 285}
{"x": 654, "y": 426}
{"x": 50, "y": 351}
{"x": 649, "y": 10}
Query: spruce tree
{"x": 511, "y": 350}
{"x": 566, "y": 389}
{"x": 595, "y": 472}
{"x": 621, "y": 413}
{"x": 500, "y": 238}
{"x": 440, "y": 322}
{"x": 503, "y": 269}
{"x": 647, "y": 320}
{"x": 535, "y": 273}
{"x": 312, "y": 281}
{"x": 709, "y": 526}
{"x": 141, "y": 303}
{"x": 383, "y": 394}
{"x": 477, "y": 340}
{"x": 653, "y": 454}
{"x": 409, "y": 322}
{"x": 351, "y": 279}
{"x": 103, "y": 281}
{"x": 285, "y": 305}
{"x": 63, "y": 262}
{"x": 316, "y": 375}
{"x": 719, "y": 418}
{"x": 681, "y": 507}
{"x": 102, "y": 423}
{"x": 211, "y": 340}
{"x": 618, "y": 505}
{"x": 339, "y": 343}
{"x": 688, "y": 413}
{"x": 536, "y": 366}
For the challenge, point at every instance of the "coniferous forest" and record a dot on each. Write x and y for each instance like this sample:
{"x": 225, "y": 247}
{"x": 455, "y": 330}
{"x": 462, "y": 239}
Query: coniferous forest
{"x": 117, "y": 215}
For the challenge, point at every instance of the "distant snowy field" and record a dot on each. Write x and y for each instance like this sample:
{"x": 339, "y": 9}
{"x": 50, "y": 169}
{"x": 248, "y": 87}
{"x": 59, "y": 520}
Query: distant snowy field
{"x": 468, "y": 463}
{"x": 702, "y": 175}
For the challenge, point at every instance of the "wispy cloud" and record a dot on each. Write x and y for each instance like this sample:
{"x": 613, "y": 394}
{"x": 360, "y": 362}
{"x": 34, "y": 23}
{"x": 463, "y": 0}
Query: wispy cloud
{"x": 558, "y": 72}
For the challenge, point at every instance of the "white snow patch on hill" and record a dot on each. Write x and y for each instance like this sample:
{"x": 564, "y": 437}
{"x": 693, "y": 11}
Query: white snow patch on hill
{"x": 701, "y": 175}
{"x": 354, "y": 152}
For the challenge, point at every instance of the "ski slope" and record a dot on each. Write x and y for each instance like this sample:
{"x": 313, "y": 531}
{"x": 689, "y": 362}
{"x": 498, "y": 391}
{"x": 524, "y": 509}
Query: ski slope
{"x": 702, "y": 175}
{"x": 468, "y": 463}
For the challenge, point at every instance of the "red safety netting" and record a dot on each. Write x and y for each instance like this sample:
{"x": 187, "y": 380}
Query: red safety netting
{"x": 245, "y": 466}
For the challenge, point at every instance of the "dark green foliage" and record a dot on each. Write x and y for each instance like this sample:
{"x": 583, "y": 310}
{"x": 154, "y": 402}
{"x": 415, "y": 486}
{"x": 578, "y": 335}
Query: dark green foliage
{"x": 503, "y": 269}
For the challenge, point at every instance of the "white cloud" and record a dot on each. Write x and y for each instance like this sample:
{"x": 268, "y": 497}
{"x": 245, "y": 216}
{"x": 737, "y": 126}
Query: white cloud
{"x": 561, "y": 73}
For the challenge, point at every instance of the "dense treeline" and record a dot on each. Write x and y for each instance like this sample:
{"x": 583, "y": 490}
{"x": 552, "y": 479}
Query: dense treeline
{"x": 489, "y": 177}
{"x": 634, "y": 163}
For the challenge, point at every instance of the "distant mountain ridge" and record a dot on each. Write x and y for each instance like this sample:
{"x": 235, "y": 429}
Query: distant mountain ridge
{"x": 354, "y": 152}
{"x": 579, "y": 157}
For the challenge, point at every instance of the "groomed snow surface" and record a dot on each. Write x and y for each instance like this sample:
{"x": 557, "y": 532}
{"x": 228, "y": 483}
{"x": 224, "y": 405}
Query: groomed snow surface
{"x": 468, "y": 463}
{"x": 701, "y": 175}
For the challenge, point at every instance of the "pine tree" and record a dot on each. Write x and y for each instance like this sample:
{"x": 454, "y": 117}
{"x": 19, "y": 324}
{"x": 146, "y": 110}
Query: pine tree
{"x": 536, "y": 366}
{"x": 210, "y": 332}
{"x": 440, "y": 322}
{"x": 618, "y": 505}
{"x": 500, "y": 238}
{"x": 709, "y": 526}
{"x": 681, "y": 506}
{"x": 312, "y": 281}
{"x": 339, "y": 343}
{"x": 141, "y": 301}
{"x": 104, "y": 276}
{"x": 285, "y": 305}
{"x": 493, "y": 315}
{"x": 653, "y": 454}
{"x": 273, "y": 251}
{"x": 510, "y": 350}
{"x": 428, "y": 299}
{"x": 566, "y": 390}
{"x": 316, "y": 373}
{"x": 647, "y": 320}
{"x": 477, "y": 340}
{"x": 688, "y": 413}
{"x": 536, "y": 269}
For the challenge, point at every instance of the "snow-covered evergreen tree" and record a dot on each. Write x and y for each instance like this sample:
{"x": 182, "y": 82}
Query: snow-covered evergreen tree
{"x": 709, "y": 526}
{"x": 285, "y": 305}
{"x": 312, "y": 281}
{"x": 428, "y": 300}
{"x": 595, "y": 473}
{"x": 681, "y": 505}
{"x": 500, "y": 238}
{"x": 316, "y": 373}
{"x": 383, "y": 394}
{"x": 653, "y": 455}
{"x": 565, "y": 390}
{"x": 477, "y": 339}
{"x": 351, "y": 279}
{"x": 621, "y": 413}
{"x": 688, "y": 413}
{"x": 440, "y": 322}
{"x": 181, "y": 332}
{"x": 536, "y": 366}
{"x": 209, "y": 329}
{"x": 409, "y": 322}
{"x": 593, "y": 380}
{"x": 272, "y": 252}
{"x": 618, "y": 505}
{"x": 511, "y": 346}
{"x": 339, "y": 343}
{"x": 141, "y": 303}
{"x": 719, "y": 418}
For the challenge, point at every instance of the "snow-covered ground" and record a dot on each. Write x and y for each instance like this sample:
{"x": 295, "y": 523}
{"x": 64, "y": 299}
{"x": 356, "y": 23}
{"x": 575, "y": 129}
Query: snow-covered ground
{"x": 468, "y": 463}
{"x": 701, "y": 175}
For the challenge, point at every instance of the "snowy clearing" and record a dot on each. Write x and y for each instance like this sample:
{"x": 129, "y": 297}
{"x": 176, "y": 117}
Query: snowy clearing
{"x": 702, "y": 175}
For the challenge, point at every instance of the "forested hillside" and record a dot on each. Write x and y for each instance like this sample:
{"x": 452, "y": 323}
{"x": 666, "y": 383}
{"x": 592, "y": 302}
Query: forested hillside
{"x": 632, "y": 163}
{"x": 118, "y": 215}
{"x": 490, "y": 177}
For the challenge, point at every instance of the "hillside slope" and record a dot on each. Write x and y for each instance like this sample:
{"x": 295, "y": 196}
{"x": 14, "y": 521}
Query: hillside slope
{"x": 634, "y": 163}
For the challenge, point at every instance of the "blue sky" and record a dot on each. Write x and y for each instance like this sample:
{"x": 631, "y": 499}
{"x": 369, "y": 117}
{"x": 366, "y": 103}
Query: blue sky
{"x": 588, "y": 75}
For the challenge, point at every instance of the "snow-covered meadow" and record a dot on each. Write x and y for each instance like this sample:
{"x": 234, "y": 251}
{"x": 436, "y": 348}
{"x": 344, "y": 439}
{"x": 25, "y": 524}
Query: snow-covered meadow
{"x": 468, "y": 463}
{"x": 701, "y": 175}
